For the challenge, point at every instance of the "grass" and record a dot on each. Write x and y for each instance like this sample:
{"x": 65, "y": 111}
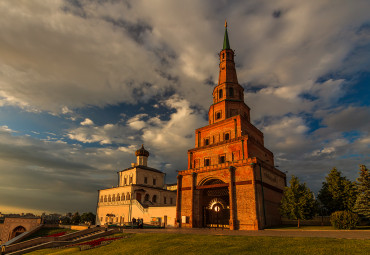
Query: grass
{"x": 209, "y": 244}
{"x": 290, "y": 227}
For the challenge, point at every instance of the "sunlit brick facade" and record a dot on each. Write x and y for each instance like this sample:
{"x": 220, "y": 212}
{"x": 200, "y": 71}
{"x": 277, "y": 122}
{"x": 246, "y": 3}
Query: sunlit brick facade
{"x": 231, "y": 180}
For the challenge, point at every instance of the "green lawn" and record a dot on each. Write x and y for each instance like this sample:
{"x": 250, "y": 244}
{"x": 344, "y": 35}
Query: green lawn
{"x": 287, "y": 227}
{"x": 211, "y": 244}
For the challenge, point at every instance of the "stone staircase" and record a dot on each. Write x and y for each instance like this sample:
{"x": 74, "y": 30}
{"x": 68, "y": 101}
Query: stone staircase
{"x": 52, "y": 242}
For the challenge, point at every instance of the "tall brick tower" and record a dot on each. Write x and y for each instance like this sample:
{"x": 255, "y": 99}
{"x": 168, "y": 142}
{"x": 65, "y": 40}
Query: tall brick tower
{"x": 231, "y": 181}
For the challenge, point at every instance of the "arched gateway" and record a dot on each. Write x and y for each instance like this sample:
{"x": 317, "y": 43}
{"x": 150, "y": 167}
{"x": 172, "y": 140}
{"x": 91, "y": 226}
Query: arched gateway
{"x": 231, "y": 180}
{"x": 215, "y": 204}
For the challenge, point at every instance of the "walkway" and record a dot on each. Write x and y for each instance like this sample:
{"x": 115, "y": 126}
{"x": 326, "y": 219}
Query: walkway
{"x": 347, "y": 234}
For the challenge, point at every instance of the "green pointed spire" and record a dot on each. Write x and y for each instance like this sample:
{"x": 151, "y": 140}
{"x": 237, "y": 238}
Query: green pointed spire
{"x": 226, "y": 39}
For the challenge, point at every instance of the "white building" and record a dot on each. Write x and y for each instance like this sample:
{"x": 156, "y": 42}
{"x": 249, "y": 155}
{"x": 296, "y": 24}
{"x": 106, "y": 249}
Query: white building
{"x": 141, "y": 193}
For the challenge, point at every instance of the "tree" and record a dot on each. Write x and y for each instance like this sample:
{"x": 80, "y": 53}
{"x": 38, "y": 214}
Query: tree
{"x": 337, "y": 193}
{"x": 298, "y": 202}
{"x": 76, "y": 218}
{"x": 65, "y": 220}
{"x": 88, "y": 218}
{"x": 362, "y": 205}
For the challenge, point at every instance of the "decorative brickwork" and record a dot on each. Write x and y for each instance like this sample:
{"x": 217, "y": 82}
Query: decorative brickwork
{"x": 231, "y": 181}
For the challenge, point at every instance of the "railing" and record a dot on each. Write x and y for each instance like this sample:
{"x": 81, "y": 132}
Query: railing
{"x": 40, "y": 240}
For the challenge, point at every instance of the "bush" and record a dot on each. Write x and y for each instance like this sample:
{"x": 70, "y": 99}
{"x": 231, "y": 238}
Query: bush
{"x": 344, "y": 220}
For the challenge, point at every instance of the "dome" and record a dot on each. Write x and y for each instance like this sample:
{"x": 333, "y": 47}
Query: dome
{"x": 142, "y": 152}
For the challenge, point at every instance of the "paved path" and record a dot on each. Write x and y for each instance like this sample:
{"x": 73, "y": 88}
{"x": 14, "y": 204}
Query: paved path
{"x": 348, "y": 234}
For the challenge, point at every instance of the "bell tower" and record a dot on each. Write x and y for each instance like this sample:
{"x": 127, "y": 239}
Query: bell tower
{"x": 231, "y": 181}
{"x": 228, "y": 95}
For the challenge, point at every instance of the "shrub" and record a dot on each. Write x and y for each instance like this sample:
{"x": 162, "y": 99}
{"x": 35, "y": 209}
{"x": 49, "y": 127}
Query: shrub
{"x": 344, "y": 220}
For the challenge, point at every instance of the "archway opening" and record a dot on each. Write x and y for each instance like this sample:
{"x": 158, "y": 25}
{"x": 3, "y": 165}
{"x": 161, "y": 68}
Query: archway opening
{"x": 17, "y": 231}
{"x": 215, "y": 203}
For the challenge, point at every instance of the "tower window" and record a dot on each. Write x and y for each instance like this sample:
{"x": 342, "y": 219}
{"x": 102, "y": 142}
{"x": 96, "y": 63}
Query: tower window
{"x": 231, "y": 92}
{"x": 218, "y": 115}
{"x": 206, "y": 141}
{"x": 223, "y": 55}
{"x": 221, "y": 159}
{"x": 227, "y": 136}
{"x": 220, "y": 93}
{"x": 207, "y": 162}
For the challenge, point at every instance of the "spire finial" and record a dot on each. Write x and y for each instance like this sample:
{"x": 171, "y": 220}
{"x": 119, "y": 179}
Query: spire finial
{"x": 226, "y": 38}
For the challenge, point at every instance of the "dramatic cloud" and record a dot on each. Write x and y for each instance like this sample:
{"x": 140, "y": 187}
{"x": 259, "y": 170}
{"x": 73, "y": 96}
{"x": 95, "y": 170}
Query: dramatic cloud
{"x": 84, "y": 83}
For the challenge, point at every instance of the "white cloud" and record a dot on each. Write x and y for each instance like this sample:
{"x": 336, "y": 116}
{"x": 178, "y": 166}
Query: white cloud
{"x": 87, "y": 122}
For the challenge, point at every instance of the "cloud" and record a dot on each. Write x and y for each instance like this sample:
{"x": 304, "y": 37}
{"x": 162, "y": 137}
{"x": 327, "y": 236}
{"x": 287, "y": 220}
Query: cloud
{"x": 87, "y": 122}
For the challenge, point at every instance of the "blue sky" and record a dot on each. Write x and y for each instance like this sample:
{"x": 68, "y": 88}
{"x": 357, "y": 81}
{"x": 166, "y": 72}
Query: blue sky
{"x": 84, "y": 83}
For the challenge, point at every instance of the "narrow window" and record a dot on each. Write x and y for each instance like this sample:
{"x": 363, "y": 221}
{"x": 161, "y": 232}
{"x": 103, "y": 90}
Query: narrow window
{"x": 123, "y": 197}
{"x": 206, "y": 141}
{"x": 231, "y": 92}
{"x": 221, "y": 159}
{"x": 125, "y": 183}
{"x": 207, "y": 162}
{"x": 101, "y": 199}
{"x": 165, "y": 200}
{"x": 130, "y": 179}
{"x": 109, "y": 199}
{"x": 171, "y": 200}
{"x": 146, "y": 198}
{"x": 218, "y": 115}
{"x": 114, "y": 198}
{"x": 145, "y": 180}
{"x": 223, "y": 55}
{"x": 220, "y": 93}
{"x": 154, "y": 199}
{"x": 227, "y": 136}
{"x": 118, "y": 197}
{"x": 128, "y": 196}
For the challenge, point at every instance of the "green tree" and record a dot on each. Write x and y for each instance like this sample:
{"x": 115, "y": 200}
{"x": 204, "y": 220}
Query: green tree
{"x": 337, "y": 193}
{"x": 362, "y": 205}
{"x": 76, "y": 218}
{"x": 298, "y": 202}
{"x": 88, "y": 218}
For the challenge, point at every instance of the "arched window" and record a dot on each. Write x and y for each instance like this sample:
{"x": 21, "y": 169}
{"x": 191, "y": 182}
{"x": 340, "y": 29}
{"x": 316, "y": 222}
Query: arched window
{"x": 109, "y": 199}
{"x": 118, "y": 198}
{"x": 105, "y": 198}
{"x": 125, "y": 182}
{"x": 101, "y": 199}
{"x": 130, "y": 180}
{"x": 231, "y": 92}
{"x": 128, "y": 196}
{"x": 154, "y": 199}
{"x": 220, "y": 93}
{"x": 123, "y": 197}
{"x": 227, "y": 136}
{"x": 114, "y": 198}
{"x": 146, "y": 198}
{"x": 218, "y": 115}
